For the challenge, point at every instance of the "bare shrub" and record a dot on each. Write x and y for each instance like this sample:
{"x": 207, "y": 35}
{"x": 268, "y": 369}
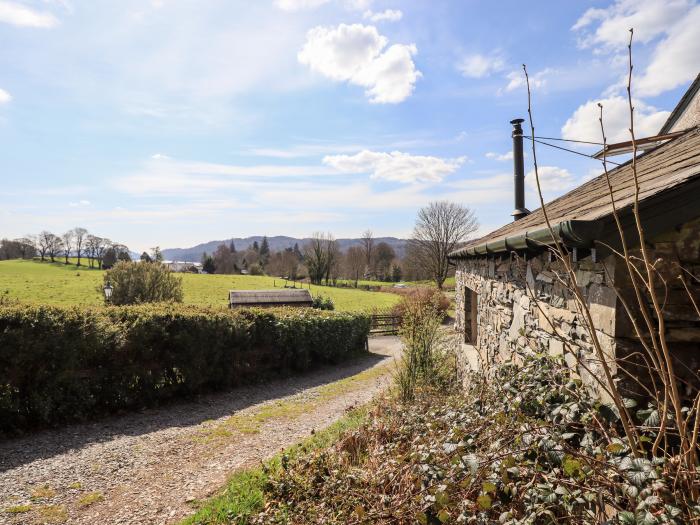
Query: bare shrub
{"x": 142, "y": 282}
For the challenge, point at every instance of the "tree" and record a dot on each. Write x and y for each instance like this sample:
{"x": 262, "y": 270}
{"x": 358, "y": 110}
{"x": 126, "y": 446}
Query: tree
{"x": 156, "y": 254}
{"x": 232, "y": 247}
{"x": 224, "y": 261}
{"x": 256, "y": 247}
{"x": 43, "y": 243}
{"x": 26, "y": 246}
{"x": 146, "y": 282}
{"x": 208, "y": 265}
{"x": 321, "y": 256}
{"x": 79, "y": 235}
{"x": 440, "y": 228}
{"x": 109, "y": 259}
{"x": 95, "y": 247}
{"x": 145, "y": 257}
{"x": 396, "y": 273}
{"x": 368, "y": 248}
{"x": 384, "y": 255}
{"x": 68, "y": 239}
{"x": 355, "y": 263}
{"x": 297, "y": 252}
{"x": 264, "y": 252}
{"x": 122, "y": 252}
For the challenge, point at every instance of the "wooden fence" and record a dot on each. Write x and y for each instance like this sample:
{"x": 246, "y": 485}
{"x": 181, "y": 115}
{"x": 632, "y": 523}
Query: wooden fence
{"x": 385, "y": 324}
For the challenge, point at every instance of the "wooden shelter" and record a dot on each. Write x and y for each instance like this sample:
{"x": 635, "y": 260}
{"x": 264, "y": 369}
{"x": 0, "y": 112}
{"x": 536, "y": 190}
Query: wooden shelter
{"x": 269, "y": 298}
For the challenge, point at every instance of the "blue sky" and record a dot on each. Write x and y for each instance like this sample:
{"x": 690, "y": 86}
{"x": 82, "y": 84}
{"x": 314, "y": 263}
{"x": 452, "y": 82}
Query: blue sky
{"x": 173, "y": 122}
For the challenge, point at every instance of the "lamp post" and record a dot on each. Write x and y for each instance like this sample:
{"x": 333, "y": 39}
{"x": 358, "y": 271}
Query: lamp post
{"x": 108, "y": 292}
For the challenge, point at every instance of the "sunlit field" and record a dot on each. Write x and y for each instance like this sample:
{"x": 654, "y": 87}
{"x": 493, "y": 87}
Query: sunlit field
{"x": 60, "y": 284}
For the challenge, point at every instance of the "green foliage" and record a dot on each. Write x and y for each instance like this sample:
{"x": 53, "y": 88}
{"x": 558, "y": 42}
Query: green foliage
{"x": 66, "y": 364}
{"x": 527, "y": 445}
{"x": 255, "y": 269}
{"x": 322, "y": 302}
{"x": 142, "y": 282}
{"x": 426, "y": 356}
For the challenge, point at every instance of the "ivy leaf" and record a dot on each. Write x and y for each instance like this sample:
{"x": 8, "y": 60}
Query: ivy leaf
{"x": 484, "y": 502}
{"x": 627, "y": 518}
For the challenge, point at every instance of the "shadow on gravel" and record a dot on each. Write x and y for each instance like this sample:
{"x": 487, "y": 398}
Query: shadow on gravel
{"x": 45, "y": 444}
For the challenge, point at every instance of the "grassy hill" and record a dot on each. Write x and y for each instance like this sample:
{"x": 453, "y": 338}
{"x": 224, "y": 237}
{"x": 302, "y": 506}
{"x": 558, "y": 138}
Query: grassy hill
{"x": 60, "y": 284}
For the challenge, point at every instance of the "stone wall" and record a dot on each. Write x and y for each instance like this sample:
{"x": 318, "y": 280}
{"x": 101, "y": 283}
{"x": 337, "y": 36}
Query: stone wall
{"x": 522, "y": 304}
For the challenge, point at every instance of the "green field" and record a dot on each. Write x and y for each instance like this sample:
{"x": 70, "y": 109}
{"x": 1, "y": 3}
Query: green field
{"x": 60, "y": 284}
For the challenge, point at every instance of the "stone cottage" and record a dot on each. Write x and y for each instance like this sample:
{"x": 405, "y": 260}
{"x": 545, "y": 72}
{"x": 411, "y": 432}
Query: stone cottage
{"x": 509, "y": 291}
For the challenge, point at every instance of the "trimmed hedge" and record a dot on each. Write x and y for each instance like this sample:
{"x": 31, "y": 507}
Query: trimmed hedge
{"x": 69, "y": 364}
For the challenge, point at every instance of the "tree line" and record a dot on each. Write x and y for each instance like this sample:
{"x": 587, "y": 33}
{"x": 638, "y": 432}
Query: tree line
{"x": 440, "y": 228}
{"x": 78, "y": 243}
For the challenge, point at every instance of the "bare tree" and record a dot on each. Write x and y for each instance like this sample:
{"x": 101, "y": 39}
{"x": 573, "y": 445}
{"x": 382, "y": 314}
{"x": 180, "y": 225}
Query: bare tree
{"x": 44, "y": 241}
{"x": 54, "y": 246}
{"x": 79, "y": 235}
{"x": 440, "y": 228}
{"x": 384, "y": 255}
{"x": 68, "y": 239}
{"x": 95, "y": 247}
{"x": 27, "y": 246}
{"x": 368, "y": 249}
{"x": 321, "y": 257}
{"x": 354, "y": 263}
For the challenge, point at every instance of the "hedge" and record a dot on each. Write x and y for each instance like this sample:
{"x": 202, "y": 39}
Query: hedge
{"x": 60, "y": 364}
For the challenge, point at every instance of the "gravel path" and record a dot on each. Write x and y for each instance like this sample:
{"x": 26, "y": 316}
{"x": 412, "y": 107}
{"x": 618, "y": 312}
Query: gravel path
{"x": 152, "y": 466}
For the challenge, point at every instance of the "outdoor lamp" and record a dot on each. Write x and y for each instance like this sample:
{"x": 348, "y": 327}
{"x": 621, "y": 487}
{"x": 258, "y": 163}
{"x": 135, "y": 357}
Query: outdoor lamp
{"x": 108, "y": 292}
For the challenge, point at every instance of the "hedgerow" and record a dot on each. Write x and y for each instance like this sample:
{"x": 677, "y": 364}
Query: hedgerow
{"x": 67, "y": 364}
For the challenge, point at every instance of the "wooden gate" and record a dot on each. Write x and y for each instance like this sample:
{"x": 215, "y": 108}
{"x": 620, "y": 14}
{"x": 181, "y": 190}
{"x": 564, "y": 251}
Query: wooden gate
{"x": 385, "y": 324}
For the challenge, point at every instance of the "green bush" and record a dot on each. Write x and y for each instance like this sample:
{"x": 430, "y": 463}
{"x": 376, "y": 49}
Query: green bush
{"x": 322, "y": 302}
{"x": 67, "y": 364}
{"x": 142, "y": 282}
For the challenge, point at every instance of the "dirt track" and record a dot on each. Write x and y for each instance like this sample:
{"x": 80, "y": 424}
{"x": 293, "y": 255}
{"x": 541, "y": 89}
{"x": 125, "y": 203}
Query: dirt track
{"x": 151, "y": 466}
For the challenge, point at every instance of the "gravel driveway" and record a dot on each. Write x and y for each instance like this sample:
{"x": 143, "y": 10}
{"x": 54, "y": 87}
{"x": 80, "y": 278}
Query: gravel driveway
{"x": 152, "y": 466}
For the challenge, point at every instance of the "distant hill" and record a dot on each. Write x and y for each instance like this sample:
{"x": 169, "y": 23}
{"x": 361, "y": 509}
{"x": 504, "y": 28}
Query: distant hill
{"x": 279, "y": 242}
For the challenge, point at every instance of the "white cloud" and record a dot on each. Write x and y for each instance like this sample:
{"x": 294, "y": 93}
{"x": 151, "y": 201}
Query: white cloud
{"x": 19, "y": 15}
{"x": 299, "y": 5}
{"x": 395, "y": 166}
{"x": 479, "y": 66}
{"x": 676, "y": 60}
{"x": 552, "y": 179}
{"x": 358, "y": 54}
{"x": 516, "y": 79}
{"x": 80, "y": 204}
{"x": 388, "y": 15}
{"x": 500, "y": 157}
{"x": 584, "y": 124}
{"x": 159, "y": 156}
{"x": 303, "y": 5}
{"x": 5, "y": 97}
{"x": 649, "y": 18}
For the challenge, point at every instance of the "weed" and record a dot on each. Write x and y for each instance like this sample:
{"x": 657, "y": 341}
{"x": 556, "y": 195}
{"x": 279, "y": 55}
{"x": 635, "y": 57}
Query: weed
{"x": 43, "y": 492}
{"x": 90, "y": 498}
{"x": 18, "y": 509}
{"x": 53, "y": 514}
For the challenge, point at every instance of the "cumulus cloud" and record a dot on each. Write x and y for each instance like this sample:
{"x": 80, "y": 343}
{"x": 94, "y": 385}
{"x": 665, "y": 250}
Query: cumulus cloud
{"x": 395, "y": 166}
{"x": 649, "y": 18}
{"x": 479, "y": 66}
{"x": 358, "y": 54}
{"x": 388, "y": 15}
{"x": 500, "y": 157}
{"x": 552, "y": 179}
{"x": 516, "y": 79}
{"x": 5, "y": 97}
{"x": 675, "y": 60}
{"x": 79, "y": 204}
{"x": 584, "y": 124}
{"x": 19, "y": 15}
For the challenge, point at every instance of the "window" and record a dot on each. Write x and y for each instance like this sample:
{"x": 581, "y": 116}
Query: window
{"x": 470, "y": 305}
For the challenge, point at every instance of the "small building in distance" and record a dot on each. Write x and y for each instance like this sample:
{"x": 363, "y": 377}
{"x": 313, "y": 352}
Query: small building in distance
{"x": 183, "y": 266}
{"x": 512, "y": 293}
{"x": 269, "y": 298}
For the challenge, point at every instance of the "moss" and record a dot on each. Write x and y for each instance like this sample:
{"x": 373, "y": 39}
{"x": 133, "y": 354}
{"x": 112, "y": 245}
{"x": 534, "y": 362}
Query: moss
{"x": 18, "y": 509}
{"x": 90, "y": 498}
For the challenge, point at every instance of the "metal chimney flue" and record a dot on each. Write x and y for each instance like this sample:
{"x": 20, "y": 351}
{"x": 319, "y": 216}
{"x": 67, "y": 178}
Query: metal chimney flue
{"x": 518, "y": 170}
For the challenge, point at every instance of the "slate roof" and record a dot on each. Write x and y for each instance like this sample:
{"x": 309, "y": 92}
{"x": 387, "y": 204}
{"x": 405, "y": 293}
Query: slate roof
{"x": 269, "y": 297}
{"x": 659, "y": 170}
{"x": 681, "y": 106}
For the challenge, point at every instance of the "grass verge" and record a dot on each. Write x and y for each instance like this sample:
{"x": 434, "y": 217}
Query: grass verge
{"x": 243, "y": 496}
